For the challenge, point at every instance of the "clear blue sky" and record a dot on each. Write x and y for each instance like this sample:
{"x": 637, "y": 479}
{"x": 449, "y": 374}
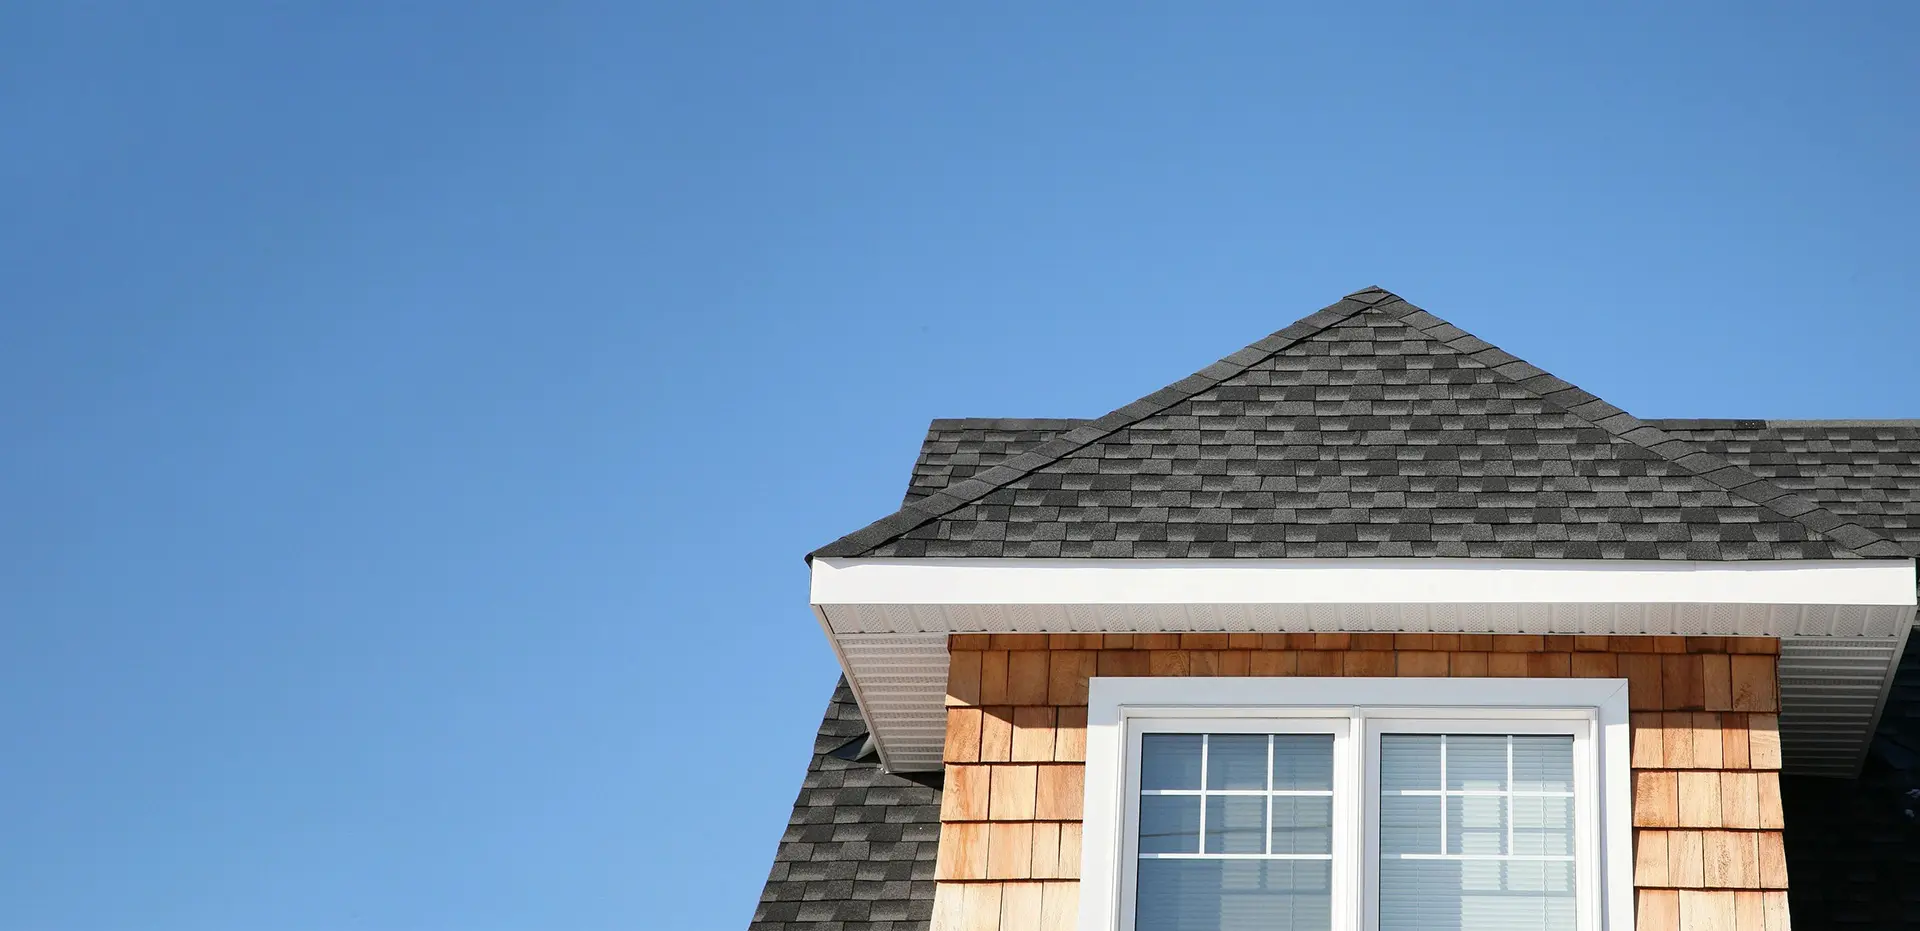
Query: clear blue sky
{"x": 415, "y": 414}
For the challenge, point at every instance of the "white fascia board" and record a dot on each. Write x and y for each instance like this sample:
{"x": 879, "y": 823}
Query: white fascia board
{"x": 1358, "y": 581}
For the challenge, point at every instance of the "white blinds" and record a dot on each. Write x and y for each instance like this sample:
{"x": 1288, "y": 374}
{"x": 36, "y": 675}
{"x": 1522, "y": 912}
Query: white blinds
{"x": 1476, "y": 833}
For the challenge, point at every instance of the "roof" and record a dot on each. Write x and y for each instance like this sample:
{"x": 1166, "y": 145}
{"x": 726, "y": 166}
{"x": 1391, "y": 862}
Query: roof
{"x": 960, "y": 448}
{"x": 1867, "y": 471}
{"x": 858, "y": 852}
{"x": 1370, "y": 428}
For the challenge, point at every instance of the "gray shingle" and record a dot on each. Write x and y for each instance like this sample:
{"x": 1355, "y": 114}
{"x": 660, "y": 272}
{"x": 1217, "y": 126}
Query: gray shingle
{"x": 1864, "y": 471}
{"x": 858, "y": 851}
{"x": 961, "y": 448}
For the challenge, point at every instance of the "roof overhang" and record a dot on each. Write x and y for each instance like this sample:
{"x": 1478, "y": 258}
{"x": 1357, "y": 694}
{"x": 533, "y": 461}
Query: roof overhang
{"x": 1842, "y": 623}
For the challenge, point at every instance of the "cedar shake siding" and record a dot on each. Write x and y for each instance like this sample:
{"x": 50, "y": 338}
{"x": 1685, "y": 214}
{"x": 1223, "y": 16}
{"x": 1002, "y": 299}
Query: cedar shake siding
{"x": 1708, "y": 846}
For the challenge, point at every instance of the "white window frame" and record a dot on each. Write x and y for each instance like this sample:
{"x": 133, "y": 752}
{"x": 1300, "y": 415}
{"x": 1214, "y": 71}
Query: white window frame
{"x": 1357, "y": 711}
{"x": 1344, "y": 761}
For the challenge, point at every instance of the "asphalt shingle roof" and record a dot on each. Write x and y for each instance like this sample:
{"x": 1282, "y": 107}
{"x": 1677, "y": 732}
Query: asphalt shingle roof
{"x": 1867, "y": 471}
{"x": 1371, "y": 428}
{"x": 959, "y": 448}
{"x": 858, "y": 852}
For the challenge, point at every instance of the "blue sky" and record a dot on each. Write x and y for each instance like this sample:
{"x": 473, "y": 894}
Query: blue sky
{"x": 416, "y": 414}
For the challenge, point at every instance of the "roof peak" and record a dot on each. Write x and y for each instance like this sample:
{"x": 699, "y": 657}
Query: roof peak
{"x": 1553, "y": 392}
{"x": 1373, "y": 294}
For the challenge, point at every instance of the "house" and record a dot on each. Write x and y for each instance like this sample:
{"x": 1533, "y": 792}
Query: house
{"x": 1369, "y": 625}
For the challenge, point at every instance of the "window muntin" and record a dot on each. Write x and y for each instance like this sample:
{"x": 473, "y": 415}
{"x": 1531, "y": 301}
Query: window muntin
{"x": 1235, "y": 832}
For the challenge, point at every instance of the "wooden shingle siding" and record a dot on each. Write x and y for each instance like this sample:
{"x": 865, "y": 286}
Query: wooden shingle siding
{"x": 1709, "y": 851}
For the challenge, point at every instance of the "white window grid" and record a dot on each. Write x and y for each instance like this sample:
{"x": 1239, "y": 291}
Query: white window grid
{"x": 1269, "y": 793}
{"x": 1509, "y": 794}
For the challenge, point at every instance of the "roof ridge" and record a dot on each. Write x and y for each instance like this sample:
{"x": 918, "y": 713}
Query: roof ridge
{"x": 960, "y": 494}
{"x": 1893, "y": 422}
{"x": 1723, "y": 423}
{"x": 1006, "y": 423}
{"x": 1585, "y": 405}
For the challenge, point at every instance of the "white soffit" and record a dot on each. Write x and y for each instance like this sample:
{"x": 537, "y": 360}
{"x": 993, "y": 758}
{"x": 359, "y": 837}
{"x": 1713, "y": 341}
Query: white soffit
{"x": 1843, "y": 623}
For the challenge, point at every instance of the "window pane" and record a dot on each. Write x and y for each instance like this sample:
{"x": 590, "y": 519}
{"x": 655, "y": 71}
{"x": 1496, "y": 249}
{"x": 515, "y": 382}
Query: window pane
{"x": 1542, "y": 826}
{"x": 1237, "y": 761}
{"x": 1302, "y": 824}
{"x": 1410, "y": 761}
{"x": 1234, "y": 895}
{"x": 1170, "y": 824}
{"x": 1476, "y": 895}
{"x": 1170, "y": 761}
{"x": 1539, "y": 876}
{"x": 1236, "y": 824}
{"x": 1477, "y": 762}
{"x": 1409, "y": 824}
{"x": 1543, "y": 763}
{"x": 1477, "y": 824}
{"x": 1303, "y": 761}
{"x": 1488, "y": 818}
{"x": 1208, "y": 858}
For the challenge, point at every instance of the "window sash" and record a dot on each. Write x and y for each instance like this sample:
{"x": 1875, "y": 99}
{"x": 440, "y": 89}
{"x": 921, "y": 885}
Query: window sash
{"x": 1345, "y": 773}
{"x": 1355, "y": 857}
{"x": 1585, "y": 795}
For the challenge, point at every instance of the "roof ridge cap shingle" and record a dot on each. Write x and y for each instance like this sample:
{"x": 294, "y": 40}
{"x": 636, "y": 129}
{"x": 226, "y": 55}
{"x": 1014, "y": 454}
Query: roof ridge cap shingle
{"x": 962, "y": 493}
{"x": 1589, "y": 407}
{"x": 1724, "y": 423}
{"x": 1006, "y": 423}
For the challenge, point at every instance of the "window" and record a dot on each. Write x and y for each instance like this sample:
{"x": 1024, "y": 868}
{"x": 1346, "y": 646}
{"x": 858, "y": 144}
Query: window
{"x": 1356, "y": 805}
{"x": 1476, "y": 830}
{"x": 1233, "y": 830}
